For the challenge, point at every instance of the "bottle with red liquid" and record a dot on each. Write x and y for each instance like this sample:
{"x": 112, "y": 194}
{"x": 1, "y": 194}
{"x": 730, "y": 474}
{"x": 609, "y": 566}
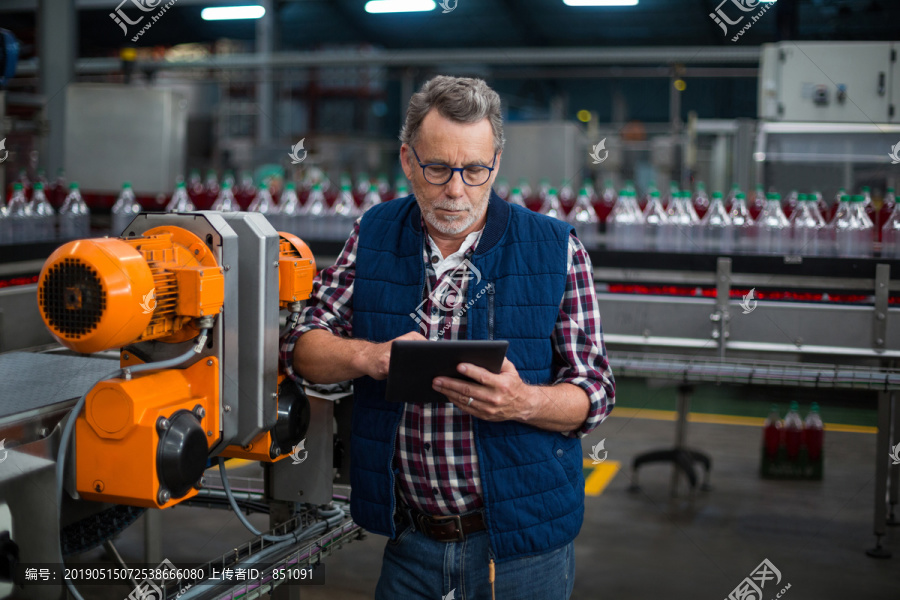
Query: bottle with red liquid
{"x": 757, "y": 202}
{"x": 790, "y": 203}
{"x": 212, "y": 190}
{"x": 814, "y": 433}
{"x": 701, "y": 200}
{"x": 605, "y": 203}
{"x": 887, "y": 207}
{"x": 793, "y": 432}
{"x": 196, "y": 191}
{"x": 772, "y": 431}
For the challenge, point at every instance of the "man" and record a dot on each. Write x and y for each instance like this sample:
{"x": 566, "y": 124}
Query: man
{"x": 482, "y": 494}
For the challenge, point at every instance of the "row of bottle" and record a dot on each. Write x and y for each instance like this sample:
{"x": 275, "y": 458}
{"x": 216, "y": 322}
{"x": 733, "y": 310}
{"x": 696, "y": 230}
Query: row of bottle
{"x": 314, "y": 219}
{"x": 730, "y": 226}
{"x": 794, "y": 433}
{"x": 31, "y": 220}
{"x": 793, "y": 448}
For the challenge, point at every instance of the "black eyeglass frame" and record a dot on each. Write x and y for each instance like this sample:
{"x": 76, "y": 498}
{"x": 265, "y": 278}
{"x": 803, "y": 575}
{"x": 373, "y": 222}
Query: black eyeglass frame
{"x": 455, "y": 169}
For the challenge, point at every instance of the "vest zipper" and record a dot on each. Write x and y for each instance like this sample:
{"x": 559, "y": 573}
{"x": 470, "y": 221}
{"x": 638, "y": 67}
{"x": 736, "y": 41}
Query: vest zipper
{"x": 490, "y": 293}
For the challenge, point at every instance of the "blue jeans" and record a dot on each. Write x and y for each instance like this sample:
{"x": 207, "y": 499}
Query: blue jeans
{"x": 417, "y": 567}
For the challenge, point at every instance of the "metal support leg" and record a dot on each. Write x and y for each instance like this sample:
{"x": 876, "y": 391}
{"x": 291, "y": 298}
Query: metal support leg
{"x": 681, "y": 457}
{"x": 153, "y": 553}
{"x": 882, "y": 452}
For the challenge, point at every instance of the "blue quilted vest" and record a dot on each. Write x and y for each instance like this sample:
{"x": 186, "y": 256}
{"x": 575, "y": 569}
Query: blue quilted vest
{"x": 532, "y": 481}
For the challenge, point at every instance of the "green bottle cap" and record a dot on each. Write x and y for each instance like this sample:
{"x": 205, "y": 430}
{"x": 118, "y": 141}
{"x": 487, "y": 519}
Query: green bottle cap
{"x": 290, "y": 185}
{"x": 795, "y": 406}
{"x": 17, "y": 187}
{"x": 73, "y": 185}
{"x": 773, "y": 196}
{"x": 717, "y": 195}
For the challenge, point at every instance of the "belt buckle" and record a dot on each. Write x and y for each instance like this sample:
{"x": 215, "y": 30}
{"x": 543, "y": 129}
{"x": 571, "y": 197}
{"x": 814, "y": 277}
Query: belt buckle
{"x": 460, "y": 536}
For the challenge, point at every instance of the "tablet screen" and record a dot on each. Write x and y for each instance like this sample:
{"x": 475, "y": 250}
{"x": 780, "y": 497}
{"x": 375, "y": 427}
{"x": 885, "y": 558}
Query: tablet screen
{"x": 415, "y": 364}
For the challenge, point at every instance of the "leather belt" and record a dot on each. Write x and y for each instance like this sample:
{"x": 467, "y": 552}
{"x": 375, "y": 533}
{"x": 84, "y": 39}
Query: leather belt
{"x": 452, "y": 528}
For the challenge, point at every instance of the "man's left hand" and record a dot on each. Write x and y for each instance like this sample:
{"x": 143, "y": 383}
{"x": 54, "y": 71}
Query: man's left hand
{"x": 494, "y": 397}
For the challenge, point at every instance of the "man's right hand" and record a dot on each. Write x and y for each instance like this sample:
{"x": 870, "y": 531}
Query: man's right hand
{"x": 322, "y": 357}
{"x": 375, "y": 361}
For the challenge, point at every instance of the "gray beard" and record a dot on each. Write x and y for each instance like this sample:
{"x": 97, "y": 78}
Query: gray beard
{"x": 456, "y": 224}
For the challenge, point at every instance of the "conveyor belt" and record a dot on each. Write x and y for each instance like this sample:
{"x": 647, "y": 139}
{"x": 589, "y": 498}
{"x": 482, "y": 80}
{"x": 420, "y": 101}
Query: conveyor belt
{"x": 31, "y": 381}
{"x": 753, "y": 372}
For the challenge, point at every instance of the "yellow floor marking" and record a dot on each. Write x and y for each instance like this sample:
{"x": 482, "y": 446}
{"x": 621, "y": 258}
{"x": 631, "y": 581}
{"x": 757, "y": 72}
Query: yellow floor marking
{"x": 670, "y": 415}
{"x": 600, "y": 477}
{"x": 235, "y": 463}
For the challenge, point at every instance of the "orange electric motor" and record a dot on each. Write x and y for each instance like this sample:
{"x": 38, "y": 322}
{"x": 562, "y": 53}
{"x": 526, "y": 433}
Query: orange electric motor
{"x": 142, "y": 440}
{"x": 103, "y": 293}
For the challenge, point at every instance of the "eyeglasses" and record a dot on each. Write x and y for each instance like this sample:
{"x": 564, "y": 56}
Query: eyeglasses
{"x": 439, "y": 174}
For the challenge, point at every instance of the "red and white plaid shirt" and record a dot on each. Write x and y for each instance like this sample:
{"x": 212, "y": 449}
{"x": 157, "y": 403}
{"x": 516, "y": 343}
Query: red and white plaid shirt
{"x": 435, "y": 446}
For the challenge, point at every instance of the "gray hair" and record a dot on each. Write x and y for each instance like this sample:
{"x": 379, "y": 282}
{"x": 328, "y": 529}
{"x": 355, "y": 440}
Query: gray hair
{"x": 460, "y": 99}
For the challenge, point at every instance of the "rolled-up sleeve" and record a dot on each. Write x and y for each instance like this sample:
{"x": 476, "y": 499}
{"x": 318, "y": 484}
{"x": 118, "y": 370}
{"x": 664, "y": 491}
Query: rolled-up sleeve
{"x": 579, "y": 352}
{"x": 330, "y": 307}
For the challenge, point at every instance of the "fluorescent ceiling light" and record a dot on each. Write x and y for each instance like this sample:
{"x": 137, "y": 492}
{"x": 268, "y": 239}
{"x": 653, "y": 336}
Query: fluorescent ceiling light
{"x": 396, "y": 6}
{"x": 600, "y": 2}
{"x": 222, "y": 13}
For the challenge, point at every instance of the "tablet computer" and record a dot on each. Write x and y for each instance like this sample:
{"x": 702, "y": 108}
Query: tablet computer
{"x": 414, "y": 365}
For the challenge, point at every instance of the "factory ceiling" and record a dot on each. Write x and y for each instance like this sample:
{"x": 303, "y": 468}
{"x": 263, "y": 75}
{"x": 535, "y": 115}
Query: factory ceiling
{"x": 316, "y": 24}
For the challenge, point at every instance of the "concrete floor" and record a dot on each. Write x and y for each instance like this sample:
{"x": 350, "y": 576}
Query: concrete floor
{"x": 648, "y": 545}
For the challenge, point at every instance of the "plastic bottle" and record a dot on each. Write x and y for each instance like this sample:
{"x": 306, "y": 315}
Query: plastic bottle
{"x": 262, "y": 203}
{"x": 245, "y": 193}
{"x": 124, "y": 210}
{"x": 402, "y": 189}
{"x": 44, "y": 214}
{"x": 524, "y": 188}
{"x": 567, "y": 197}
{"x": 657, "y": 229}
{"x": 868, "y": 205}
{"x": 813, "y": 433}
{"x": 729, "y": 201}
{"x": 605, "y": 203}
{"x": 887, "y": 208}
{"x": 625, "y": 228}
{"x": 772, "y": 433}
{"x": 342, "y": 214}
{"x": 361, "y": 189}
{"x": 370, "y": 199}
{"x": 180, "y": 201}
{"x": 56, "y": 192}
{"x": 288, "y": 216}
{"x": 226, "y": 202}
{"x": 313, "y": 213}
{"x": 718, "y": 232}
{"x": 212, "y": 189}
{"x": 685, "y": 224}
{"x": 757, "y": 202}
{"x": 773, "y": 227}
{"x": 807, "y": 228}
{"x": 743, "y": 223}
{"x": 584, "y": 219}
{"x": 551, "y": 206}
{"x": 821, "y": 205}
{"x": 865, "y": 235}
{"x": 21, "y": 221}
{"x": 890, "y": 235}
{"x": 793, "y": 431}
{"x": 789, "y": 205}
{"x": 831, "y": 217}
{"x": 384, "y": 188}
{"x": 196, "y": 191}
{"x": 516, "y": 197}
{"x": 74, "y": 216}
{"x": 701, "y": 200}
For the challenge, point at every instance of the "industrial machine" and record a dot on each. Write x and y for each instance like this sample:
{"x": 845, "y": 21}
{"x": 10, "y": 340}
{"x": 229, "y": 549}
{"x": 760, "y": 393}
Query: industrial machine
{"x": 189, "y": 306}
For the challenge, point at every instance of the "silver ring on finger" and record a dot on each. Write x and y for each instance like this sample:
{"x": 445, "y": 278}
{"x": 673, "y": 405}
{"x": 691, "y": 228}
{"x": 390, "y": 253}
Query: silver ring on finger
{"x": 471, "y": 400}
